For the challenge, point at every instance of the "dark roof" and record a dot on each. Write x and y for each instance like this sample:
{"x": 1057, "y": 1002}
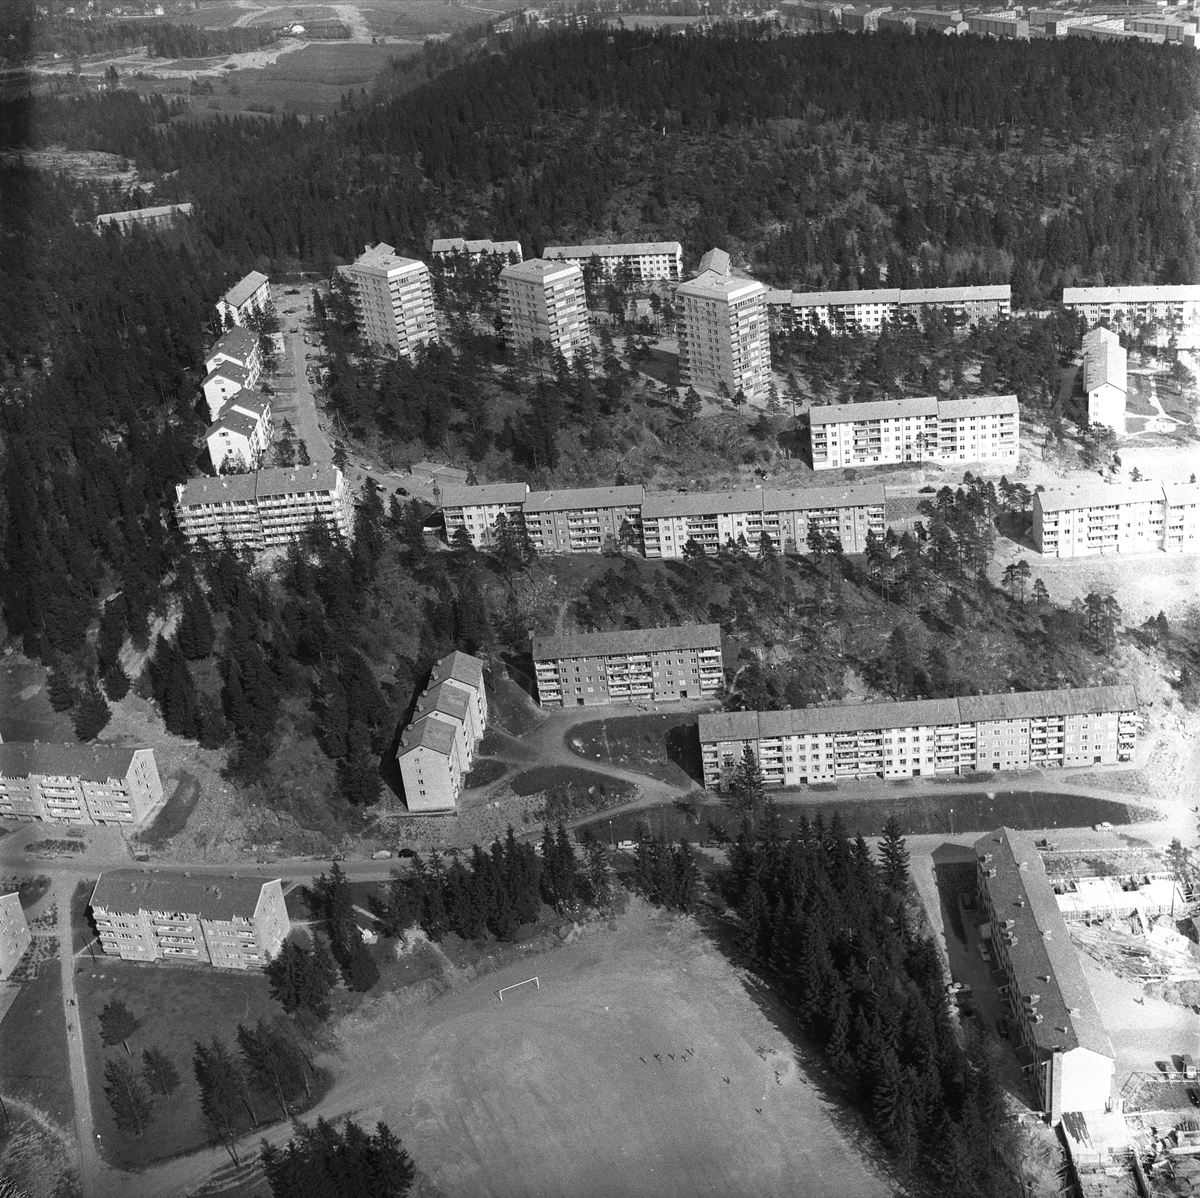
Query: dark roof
{"x": 295, "y": 480}
{"x": 93, "y": 763}
{"x": 1015, "y": 705}
{"x": 129, "y": 891}
{"x": 461, "y": 667}
{"x": 241, "y": 291}
{"x": 427, "y": 733}
{"x": 448, "y": 700}
{"x": 583, "y": 497}
{"x": 235, "y": 372}
{"x": 880, "y": 409}
{"x": 481, "y": 496}
{"x": 634, "y": 640}
{"x": 236, "y": 341}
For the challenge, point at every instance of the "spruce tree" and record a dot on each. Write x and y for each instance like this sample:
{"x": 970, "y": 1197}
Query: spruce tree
{"x": 159, "y": 1072}
{"x": 92, "y": 715}
{"x": 117, "y": 1024}
{"x": 127, "y": 1097}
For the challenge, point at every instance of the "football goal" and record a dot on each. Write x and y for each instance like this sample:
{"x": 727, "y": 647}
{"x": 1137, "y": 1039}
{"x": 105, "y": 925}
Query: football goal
{"x": 537, "y": 985}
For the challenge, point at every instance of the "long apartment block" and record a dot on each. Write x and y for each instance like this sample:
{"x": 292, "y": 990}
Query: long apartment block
{"x": 868, "y": 311}
{"x": 584, "y": 520}
{"x": 77, "y": 784}
{"x": 645, "y": 260}
{"x": 633, "y": 665}
{"x": 1094, "y": 519}
{"x": 984, "y": 428}
{"x": 917, "y": 738}
{"x": 1162, "y": 305}
{"x": 267, "y": 508}
{"x": 232, "y": 923}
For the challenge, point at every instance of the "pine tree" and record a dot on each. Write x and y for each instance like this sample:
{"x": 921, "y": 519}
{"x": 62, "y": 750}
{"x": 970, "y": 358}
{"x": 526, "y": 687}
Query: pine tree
{"x": 61, "y": 689}
{"x": 894, "y": 856}
{"x": 360, "y": 780}
{"x": 92, "y": 715}
{"x": 746, "y": 787}
{"x": 349, "y": 1161}
{"x": 117, "y": 1024}
{"x": 196, "y": 634}
{"x": 159, "y": 1072}
{"x": 360, "y": 971}
{"x": 127, "y": 1098}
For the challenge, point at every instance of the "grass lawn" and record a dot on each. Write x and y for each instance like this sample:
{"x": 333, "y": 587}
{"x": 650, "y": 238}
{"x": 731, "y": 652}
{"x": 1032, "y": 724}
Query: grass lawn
{"x": 509, "y": 707}
{"x": 662, "y": 746}
{"x": 484, "y": 772}
{"x": 569, "y": 792}
{"x": 33, "y": 1048}
{"x": 177, "y": 1005}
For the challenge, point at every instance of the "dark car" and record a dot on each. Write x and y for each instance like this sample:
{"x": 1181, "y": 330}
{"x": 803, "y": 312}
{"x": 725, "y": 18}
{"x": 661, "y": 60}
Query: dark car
{"x": 401, "y": 491}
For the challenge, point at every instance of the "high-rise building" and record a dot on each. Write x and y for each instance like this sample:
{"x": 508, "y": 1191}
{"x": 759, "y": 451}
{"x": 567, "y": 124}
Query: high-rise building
{"x": 393, "y": 299}
{"x": 723, "y": 336}
{"x": 1105, "y": 378}
{"x": 544, "y": 301}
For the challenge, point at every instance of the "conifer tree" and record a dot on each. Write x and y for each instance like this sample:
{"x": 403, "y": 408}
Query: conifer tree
{"x": 92, "y": 714}
{"x": 159, "y": 1072}
{"x": 127, "y": 1097}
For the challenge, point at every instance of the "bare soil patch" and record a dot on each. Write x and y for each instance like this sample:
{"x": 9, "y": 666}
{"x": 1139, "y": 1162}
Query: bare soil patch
{"x": 568, "y": 792}
{"x": 666, "y": 747}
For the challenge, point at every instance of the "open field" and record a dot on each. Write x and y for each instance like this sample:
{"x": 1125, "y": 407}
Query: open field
{"x": 33, "y": 1049}
{"x": 559, "y": 1091}
{"x": 661, "y": 746}
{"x": 25, "y": 711}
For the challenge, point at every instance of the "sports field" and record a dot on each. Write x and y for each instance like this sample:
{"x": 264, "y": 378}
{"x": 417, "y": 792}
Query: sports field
{"x": 641, "y": 1067}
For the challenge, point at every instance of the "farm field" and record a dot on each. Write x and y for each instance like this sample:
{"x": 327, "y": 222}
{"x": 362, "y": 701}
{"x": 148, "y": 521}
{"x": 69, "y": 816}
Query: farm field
{"x": 560, "y": 1091}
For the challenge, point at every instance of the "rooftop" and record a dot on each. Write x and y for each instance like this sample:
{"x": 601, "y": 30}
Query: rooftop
{"x": 882, "y": 409}
{"x": 449, "y": 245}
{"x": 699, "y": 503}
{"x": 382, "y": 259}
{"x": 724, "y": 288}
{"x": 235, "y": 421}
{"x": 583, "y": 497}
{"x": 462, "y": 667}
{"x": 228, "y": 488}
{"x": 427, "y": 732}
{"x": 160, "y": 210}
{"x": 1042, "y": 956}
{"x": 718, "y": 261}
{"x": 128, "y": 891}
{"x": 448, "y": 700}
{"x": 630, "y": 640}
{"x": 613, "y": 250}
{"x": 1183, "y": 293}
{"x": 978, "y": 405}
{"x": 538, "y": 270}
{"x": 801, "y": 499}
{"x": 237, "y": 342}
{"x": 245, "y": 488}
{"x": 488, "y": 493}
{"x": 1082, "y": 495}
{"x": 92, "y": 763}
{"x": 239, "y": 293}
{"x": 232, "y": 371}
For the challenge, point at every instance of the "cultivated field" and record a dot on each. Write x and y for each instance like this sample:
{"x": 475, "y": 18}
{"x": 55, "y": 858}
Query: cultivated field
{"x": 643, "y": 1065}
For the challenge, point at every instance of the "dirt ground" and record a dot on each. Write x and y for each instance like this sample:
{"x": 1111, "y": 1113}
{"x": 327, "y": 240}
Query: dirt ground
{"x": 643, "y": 1064}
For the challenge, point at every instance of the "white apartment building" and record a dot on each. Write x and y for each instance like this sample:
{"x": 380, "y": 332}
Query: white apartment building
{"x": 1168, "y": 306}
{"x": 447, "y": 247}
{"x": 724, "y": 340}
{"x": 223, "y": 383}
{"x": 77, "y": 784}
{"x": 437, "y": 749}
{"x": 583, "y": 519}
{"x": 1106, "y": 518}
{"x": 263, "y": 509}
{"x": 477, "y": 508}
{"x": 869, "y": 310}
{"x": 997, "y": 24}
{"x": 236, "y": 347}
{"x": 645, "y": 260}
{"x": 923, "y": 737}
{"x": 15, "y": 936}
{"x": 1105, "y": 378}
{"x": 585, "y": 669}
{"x": 925, "y": 429}
{"x": 158, "y": 217}
{"x": 231, "y": 923}
{"x": 245, "y": 299}
{"x": 240, "y": 437}
{"x": 544, "y": 301}
{"x": 393, "y": 299}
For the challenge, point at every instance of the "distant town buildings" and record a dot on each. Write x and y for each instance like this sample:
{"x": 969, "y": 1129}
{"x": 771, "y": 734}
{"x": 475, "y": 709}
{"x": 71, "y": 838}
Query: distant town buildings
{"x": 583, "y": 669}
{"x": 1011, "y": 731}
{"x": 998, "y": 24}
{"x": 448, "y": 247}
{"x": 245, "y": 299}
{"x": 1169, "y": 306}
{"x": 438, "y": 747}
{"x": 77, "y": 784}
{"x": 393, "y": 299}
{"x": 544, "y": 302}
{"x": 159, "y": 217}
{"x": 1105, "y": 378}
{"x": 724, "y": 341}
{"x": 15, "y": 937}
{"x": 240, "y": 437}
{"x": 868, "y": 311}
{"x": 263, "y": 509}
{"x": 1092, "y": 519}
{"x": 232, "y": 923}
{"x": 1071, "y": 1059}
{"x": 980, "y": 429}
{"x": 645, "y": 261}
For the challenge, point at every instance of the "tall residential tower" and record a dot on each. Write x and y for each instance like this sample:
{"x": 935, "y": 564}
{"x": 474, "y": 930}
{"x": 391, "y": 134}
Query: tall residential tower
{"x": 393, "y": 299}
{"x": 544, "y": 301}
{"x": 723, "y": 338}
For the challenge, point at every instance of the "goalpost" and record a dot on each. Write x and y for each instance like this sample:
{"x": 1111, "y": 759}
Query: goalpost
{"x": 537, "y": 985}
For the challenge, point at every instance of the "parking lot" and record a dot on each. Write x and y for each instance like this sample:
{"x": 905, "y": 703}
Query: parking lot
{"x": 295, "y": 400}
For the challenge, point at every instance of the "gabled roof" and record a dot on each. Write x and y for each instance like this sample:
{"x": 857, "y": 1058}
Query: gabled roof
{"x": 882, "y": 409}
{"x": 428, "y": 732}
{"x": 583, "y": 497}
{"x": 1084, "y": 495}
{"x": 807, "y": 499}
{"x": 448, "y": 700}
{"x": 231, "y": 371}
{"x": 240, "y": 292}
{"x": 978, "y": 405}
{"x": 128, "y": 891}
{"x": 461, "y": 667}
{"x": 489, "y": 493}
{"x": 383, "y": 259}
{"x": 1179, "y": 494}
{"x": 1015, "y": 705}
{"x": 92, "y": 763}
{"x": 296, "y": 480}
{"x": 955, "y": 295}
{"x": 234, "y": 421}
{"x": 236, "y": 342}
{"x": 700, "y": 503}
{"x": 228, "y": 488}
{"x": 613, "y": 249}
{"x": 1132, "y": 295}
{"x": 630, "y": 640}
{"x": 717, "y": 261}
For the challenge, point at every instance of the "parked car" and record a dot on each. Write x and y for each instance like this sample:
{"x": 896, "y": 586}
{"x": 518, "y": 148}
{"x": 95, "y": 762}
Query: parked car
{"x": 1103, "y": 826}
{"x": 984, "y": 952}
{"x": 1002, "y": 1028}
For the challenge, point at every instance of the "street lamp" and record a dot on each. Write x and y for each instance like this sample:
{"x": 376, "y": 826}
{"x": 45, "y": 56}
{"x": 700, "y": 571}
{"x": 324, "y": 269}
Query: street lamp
{"x": 610, "y": 835}
{"x": 951, "y": 821}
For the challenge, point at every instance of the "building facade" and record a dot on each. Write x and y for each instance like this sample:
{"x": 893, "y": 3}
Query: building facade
{"x": 263, "y": 509}
{"x": 77, "y": 784}
{"x": 981, "y": 429}
{"x": 236, "y": 347}
{"x": 869, "y": 310}
{"x": 584, "y": 520}
{"x": 1101, "y": 518}
{"x": 1105, "y": 378}
{"x": 1055, "y": 1015}
{"x": 724, "y": 341}
{"x": 998, "y": 24}
{"x": 1167, "y": 306}
{"x": 245, "y": 299}
{"x": 1013, "y": 731}
{"x": 544, "y": 302}
{"x": 240, "y": 437}
{"x": 159, "y": 217}
{"x": 645, "y": 261}
{"x": 448, "y": 247}
{"x": 393, "y": 299}
{"x": 634, "y": 665}
{"x": 231, "y": 923}
{"x": 438, "y": 747}
{"x": 223, "y": 383}
{"x": 476, "y": 509}
{"x": 15, "y": 937}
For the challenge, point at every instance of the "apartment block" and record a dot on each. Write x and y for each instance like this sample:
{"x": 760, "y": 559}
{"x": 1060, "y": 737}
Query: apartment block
{"x": 245, "y": 299}
{"x": 263, "y": 509}
{"x": 1169, "y": 306}
{"x": 862, "y": 20}
{"x": 393, "y": 299}
{"x": 917, "y": 738}
{"x": 240, "y": 437}
{"x": 646, "y": 261}
{"x": 477, "y": 508}
{"x": 159, "y": 217}
{"x": 231, "y": 923}
{"x": 869, "y": 310}
{"x": 448, "y": 247}
{"x": 980, "y": 429}
{"x": 438, "y": 747}
{"x": 1104, "y": 518}
{"x": 236, "y": 347}
{"x": 1105, "y": 378}
{"x": 588, "y": 669}
{"x": 542, "y": 301}
{"x": 584, "y": 520}
{"x": 77, "y": 784}
{"x": 1071, "y": 1060}
{"x": 997, "y": 24}
{"x": 724, "y": 341}
{"x": 223, "y": 383}
{"x": 15, "y": 937}
{"x": 1171, "y": 30}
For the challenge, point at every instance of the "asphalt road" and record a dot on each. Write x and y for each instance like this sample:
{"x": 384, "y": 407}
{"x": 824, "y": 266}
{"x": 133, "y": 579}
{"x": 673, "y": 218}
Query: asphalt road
{"x": 294, "y": 397}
